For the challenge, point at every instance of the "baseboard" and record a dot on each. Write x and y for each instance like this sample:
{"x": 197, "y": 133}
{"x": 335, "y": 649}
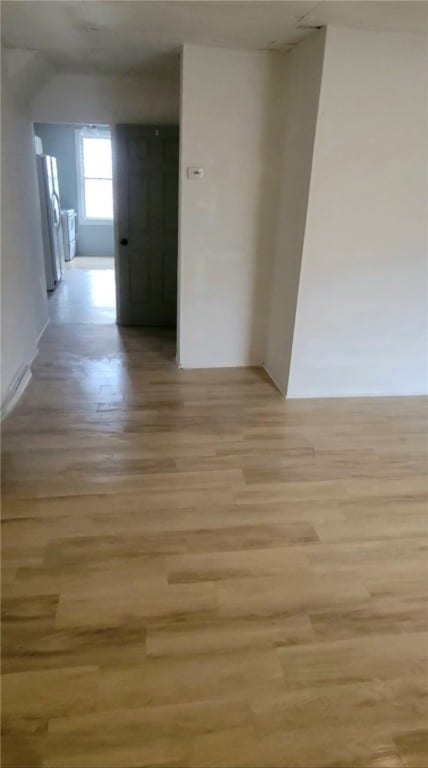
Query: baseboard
{"x": 39, "y": 337}
{"x": 21, "y": 381}
{"x": 217, "y": 366}
{"x": 15, "y": 391}
{"x": 355, "y": 395}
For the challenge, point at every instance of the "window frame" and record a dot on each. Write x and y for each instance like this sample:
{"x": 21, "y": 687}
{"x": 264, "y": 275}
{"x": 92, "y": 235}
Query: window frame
{"x": 80, "y": 134}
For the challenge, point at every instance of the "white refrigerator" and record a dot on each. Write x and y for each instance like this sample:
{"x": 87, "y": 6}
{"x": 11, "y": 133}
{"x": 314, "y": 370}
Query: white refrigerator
{"x": 50, "y": 208}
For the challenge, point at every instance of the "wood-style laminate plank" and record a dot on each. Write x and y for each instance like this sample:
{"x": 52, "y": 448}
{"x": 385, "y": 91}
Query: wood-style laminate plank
{"x": 197, "y": 572}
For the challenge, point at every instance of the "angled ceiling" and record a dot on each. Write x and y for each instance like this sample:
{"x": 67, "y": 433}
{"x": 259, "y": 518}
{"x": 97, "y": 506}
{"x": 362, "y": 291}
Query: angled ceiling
{"x": 129, "y": 37}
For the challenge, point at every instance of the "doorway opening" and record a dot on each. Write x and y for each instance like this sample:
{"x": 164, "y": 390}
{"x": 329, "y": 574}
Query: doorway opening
{"x": 146, "y": 187}
{"x": 75, "y": 178}
{"x": 109, "y": 206}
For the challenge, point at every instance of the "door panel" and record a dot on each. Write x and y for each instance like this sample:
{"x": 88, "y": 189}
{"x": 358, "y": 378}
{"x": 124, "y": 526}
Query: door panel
{"x": 147, "y": 218}
{"x": 139, "y": 150}
{"x": 170, "y": 203}
{"x": 139, "y": 277}
{"x": 169, "y": 284}
{"x": 140, "y": 202}
{"x": 170, "y": 151}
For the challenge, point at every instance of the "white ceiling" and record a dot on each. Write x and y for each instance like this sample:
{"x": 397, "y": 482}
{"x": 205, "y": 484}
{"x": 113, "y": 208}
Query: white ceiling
{"x": 128, "y": 37}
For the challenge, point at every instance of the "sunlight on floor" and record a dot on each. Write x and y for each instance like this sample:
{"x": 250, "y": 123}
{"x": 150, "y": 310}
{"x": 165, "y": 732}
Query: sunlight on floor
{"x": 86, "y": 294}
{"x": 102, "y": 288}
{"x": 90, "y": 262}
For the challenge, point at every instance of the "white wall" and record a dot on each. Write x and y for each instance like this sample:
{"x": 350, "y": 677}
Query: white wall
{"x": 24, "y": 310}
{"x": 96, "y": 240}
{"x": 361, "y": 322}
{"x": 228, "y": 128}
{"x": 107, "y": 100}
{"x": 299, "y": 103}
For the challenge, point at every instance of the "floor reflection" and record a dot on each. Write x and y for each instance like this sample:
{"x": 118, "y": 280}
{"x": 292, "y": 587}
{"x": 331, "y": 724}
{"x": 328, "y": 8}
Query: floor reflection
{"x": 86, "y": 293}
{"x": 102, "y": 289}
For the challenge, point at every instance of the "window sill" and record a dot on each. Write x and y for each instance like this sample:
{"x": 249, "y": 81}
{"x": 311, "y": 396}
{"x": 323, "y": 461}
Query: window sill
{"x": 95, "y": 222}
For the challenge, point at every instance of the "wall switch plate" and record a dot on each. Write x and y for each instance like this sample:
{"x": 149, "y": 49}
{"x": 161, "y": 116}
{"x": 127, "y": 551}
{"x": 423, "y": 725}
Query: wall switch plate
{"x": 195, "y": 173}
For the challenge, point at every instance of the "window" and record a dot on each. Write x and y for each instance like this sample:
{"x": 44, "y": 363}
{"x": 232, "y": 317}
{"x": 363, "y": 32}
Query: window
{"x": 95, "y": 171}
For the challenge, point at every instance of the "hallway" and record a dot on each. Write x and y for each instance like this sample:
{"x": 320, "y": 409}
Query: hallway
{"x": 197, "y": 572}
{"x": 86, "y": 294}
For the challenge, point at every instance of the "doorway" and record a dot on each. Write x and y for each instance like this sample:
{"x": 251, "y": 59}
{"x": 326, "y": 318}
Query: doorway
{"x": 75, "y": 177}
{"x": 118, "y": 199}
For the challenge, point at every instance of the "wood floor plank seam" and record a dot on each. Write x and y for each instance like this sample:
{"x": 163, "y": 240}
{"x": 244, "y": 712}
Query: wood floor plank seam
{"x": 197, "y": 572}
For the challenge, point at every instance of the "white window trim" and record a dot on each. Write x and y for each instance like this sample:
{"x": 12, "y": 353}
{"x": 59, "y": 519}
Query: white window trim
{"x": 80, "y": 133}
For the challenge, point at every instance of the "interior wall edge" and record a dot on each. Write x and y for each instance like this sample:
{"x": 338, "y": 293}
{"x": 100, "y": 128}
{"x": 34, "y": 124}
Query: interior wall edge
{"x": 274, "y": 381}
{"x": 180, "y": 213}
{"x": 301, "y": 104}
{"x": 361, "y": 323}
{"x": 324, "y": 33}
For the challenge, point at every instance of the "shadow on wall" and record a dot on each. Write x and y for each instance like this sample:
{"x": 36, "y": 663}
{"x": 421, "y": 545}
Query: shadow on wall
{"x": 300, "y": 91}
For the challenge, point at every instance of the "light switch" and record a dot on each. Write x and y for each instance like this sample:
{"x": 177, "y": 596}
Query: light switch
{"x": 195, "y": 173}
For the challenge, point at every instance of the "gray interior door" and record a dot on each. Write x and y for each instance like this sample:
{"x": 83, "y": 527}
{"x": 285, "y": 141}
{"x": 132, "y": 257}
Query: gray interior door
{"x": 147, "y": 224}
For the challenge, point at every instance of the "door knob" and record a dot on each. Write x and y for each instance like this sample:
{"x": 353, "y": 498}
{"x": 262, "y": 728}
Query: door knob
{"x": 124, "y": 241}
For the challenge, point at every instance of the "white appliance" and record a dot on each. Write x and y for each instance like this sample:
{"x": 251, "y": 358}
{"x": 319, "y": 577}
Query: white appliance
{"x": 38, "y": 145}
{"x": 69, "y": 233}
{"x": 50, "y": 210}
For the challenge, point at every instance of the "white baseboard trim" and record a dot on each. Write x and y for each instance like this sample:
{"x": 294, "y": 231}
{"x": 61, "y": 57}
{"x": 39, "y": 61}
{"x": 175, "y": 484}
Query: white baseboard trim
{"x": 15, "y": 391}
{"x": 214, "y": 366}
{"x": 21, "y": 381}
{"x": 39, "y": 337}
{"x": 355, "y": 395}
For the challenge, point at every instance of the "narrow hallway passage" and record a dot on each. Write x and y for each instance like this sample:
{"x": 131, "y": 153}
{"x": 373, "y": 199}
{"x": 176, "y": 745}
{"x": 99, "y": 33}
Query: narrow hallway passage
{"x": 87, "y": 292}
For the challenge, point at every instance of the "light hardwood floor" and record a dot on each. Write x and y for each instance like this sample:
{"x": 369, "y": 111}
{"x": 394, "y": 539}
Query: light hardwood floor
{"x": 198, "y": 573}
